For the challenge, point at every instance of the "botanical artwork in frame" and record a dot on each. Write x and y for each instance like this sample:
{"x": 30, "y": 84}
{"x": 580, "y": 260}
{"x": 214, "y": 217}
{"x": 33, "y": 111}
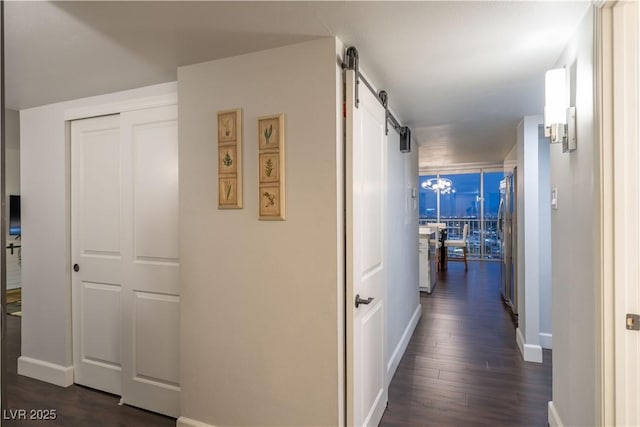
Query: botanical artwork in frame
{"x": 271, "y": 167}
{"x": 228, "y": 192}
{"x": 270, "y": 202}
{"x": 269, "y": 132}
{"x": 230, "y": 159}
{"x": 227, "y": 126}
{"x": 227, "y": 159}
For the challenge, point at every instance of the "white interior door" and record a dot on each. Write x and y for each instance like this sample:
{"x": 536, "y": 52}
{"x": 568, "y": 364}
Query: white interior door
{"x": 126, "y": 302}
{"x": 367, "y": 392}
{"x": 626, "y": 208}
{"x": 151, "y": 302}
{"x": 97, "y": 252}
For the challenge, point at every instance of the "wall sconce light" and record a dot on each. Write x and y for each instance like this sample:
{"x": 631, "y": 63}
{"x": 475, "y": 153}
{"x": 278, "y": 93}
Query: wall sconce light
{"x": 559, "y": 117}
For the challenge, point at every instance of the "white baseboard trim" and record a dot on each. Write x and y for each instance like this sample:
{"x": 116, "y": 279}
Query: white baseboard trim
{"x": 188, "y": 422}
{"x": 554, "y": 417}
{"x": 398, "y": 352}
{"x": 529, "y": 352}
{"x": 45, "y": 371}
{"x": 546, "y": 340}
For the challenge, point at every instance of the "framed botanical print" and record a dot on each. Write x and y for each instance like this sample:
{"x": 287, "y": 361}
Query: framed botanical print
{"x": 269, "y": 132}
{"x": 270, "y": 207}
{"x": 269, "y": 164}
{"x": 230, "y": 159}
{"x": 271, "y": 167}
{"x": 228, "y": 192}
{"x": 227, "y": 159}
{"x": 227, "y": 126}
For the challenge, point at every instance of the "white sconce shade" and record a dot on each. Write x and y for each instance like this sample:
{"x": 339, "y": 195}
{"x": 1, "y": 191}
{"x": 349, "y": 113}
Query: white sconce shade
{"x": 559, "y": 117}
{"x": 555, "y": 97}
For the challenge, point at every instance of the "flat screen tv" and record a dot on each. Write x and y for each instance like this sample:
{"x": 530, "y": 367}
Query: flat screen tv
{"x": 14, "y": 216}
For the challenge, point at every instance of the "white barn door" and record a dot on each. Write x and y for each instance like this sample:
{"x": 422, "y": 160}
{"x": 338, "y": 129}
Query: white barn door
{"x": 125, "y": 246}
{"x": 367, "y": 392}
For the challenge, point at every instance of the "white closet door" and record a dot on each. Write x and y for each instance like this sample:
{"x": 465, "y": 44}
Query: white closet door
{"x": 367, "y": 392}
{"x": 126, "y": 303}
{"x": 97, "y": 252}
{"x": 151, "y": 302}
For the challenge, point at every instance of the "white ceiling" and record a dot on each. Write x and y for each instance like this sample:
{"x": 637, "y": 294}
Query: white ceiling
{"x": 460, "y": 74}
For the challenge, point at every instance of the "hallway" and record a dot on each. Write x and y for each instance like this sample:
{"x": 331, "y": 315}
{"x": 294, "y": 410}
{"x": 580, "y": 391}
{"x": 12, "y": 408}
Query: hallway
{"x": 462, "y": 365}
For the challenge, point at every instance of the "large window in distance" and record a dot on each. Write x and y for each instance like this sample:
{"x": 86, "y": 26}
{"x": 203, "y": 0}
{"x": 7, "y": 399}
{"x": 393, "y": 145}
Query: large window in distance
{"x": 428, "y": 199}
{"x": 462, "y": 205}
{"x": 463, "y": 199}
{"x": 471, "y": 198}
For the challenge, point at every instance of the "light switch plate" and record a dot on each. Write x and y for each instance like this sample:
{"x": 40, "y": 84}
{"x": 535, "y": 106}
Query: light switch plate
{"x": 554, "y": 198}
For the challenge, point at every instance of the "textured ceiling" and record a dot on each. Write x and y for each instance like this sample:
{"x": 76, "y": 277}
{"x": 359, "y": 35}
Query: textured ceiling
{"x": 461, "y": 74}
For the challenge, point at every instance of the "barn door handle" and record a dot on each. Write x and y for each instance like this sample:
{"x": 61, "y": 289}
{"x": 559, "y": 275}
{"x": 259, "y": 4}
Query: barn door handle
{"x": 76, "y": 267}
{"x": 362, "y": 301}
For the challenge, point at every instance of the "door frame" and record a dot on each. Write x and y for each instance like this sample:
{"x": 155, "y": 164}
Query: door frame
{"x": 105, "y": 109}
{"x": 619, "y": 160}
{"x": 3, "y": 222}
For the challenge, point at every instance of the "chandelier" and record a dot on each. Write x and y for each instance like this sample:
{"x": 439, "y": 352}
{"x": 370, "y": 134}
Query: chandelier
{"x": 441, "y": 185}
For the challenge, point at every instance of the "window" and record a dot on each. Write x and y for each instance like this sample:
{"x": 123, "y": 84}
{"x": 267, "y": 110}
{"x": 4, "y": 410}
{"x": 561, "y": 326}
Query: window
{"x": 473, "y": 198}
{"x": 428, "y": 202}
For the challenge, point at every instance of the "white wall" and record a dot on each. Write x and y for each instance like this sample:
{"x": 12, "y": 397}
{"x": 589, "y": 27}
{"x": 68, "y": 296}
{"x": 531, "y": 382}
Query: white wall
{"x": 575, "y": 243}
{"x": 46, "y": 269}
{"x": 12, "y": 187}
{"x": 534, "y": 271}
{"x": 263, "y": 332}
{"x": 260, "y": 335}
{"x": 403, "y": 295}
{"x": 12, "y": 134}
{"x": 511, "y": 160}
{"x": 533, "y": 237}
{"x": 544, "y": 244}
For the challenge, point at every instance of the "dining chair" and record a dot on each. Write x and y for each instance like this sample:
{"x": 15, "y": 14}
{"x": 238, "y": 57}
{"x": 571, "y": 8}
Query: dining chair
{"x": 461, "y": 243}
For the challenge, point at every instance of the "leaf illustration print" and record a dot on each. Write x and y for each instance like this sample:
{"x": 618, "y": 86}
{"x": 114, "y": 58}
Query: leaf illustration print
{"x": 267, "y": 133}
{"x": 268, "y": 167}
{"x": 227, "y": 127}
{"x": 227, "y": 187}
{"x": 271, "y": 199}
{"x": 227, "y": 161}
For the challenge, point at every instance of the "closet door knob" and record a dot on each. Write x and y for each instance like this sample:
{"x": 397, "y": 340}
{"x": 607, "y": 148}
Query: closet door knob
{"x": 76, "y": 267}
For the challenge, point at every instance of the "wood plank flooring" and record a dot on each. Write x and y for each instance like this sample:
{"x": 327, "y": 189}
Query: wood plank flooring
{"x": 76, "y": 406}
{"x": 462, "y": 366}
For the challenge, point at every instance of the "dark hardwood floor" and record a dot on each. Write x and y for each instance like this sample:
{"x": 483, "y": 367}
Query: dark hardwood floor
{"x": 75, "y": 406}
{"x": 462, "y": 366}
